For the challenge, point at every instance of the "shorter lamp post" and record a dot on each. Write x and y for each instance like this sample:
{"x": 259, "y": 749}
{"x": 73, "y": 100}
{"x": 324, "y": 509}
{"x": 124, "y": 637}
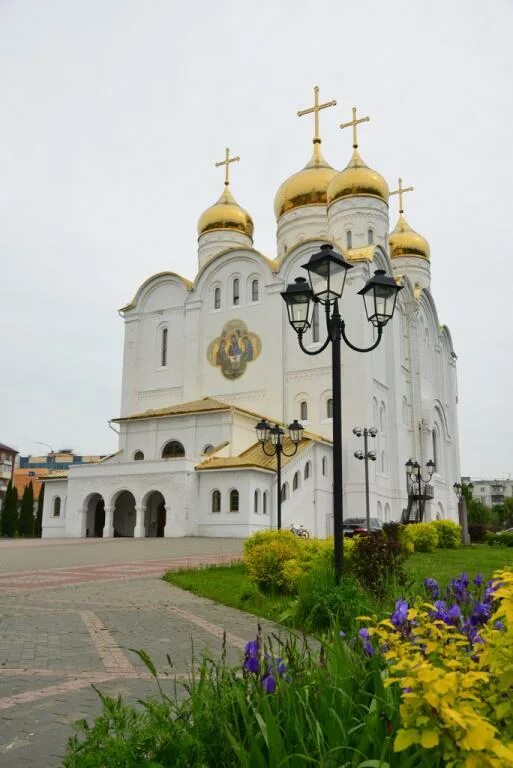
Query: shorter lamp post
{"x": 462, "y": 508}
{"x": 275, "y": 437}
{"x": 365, "y": 456}
{"x": 415, "y": 474}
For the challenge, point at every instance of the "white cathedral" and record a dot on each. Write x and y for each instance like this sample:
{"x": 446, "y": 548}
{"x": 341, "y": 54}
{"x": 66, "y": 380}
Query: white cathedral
{"x": 205, "y": 360}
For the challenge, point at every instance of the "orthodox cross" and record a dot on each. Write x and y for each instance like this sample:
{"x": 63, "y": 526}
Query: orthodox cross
{"x": 226, "y": 162}
{"x": 354, "y": 122}
{"x": 400, "y": 191}
{"x": 316, "y": 109}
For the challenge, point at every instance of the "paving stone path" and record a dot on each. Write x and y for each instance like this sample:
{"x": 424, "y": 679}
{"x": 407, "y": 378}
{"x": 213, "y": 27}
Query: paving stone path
{"x": 71, "y": 612}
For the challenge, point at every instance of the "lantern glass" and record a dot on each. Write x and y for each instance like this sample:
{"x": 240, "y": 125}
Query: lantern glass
{"x": 263, "y": 429}
{"x": 379, "y": 297}
{"x": 298, "y": 298}
{"x": 327, "y": 273}
{"x": 296, "y": 432}
{"x": 277, "y": 435}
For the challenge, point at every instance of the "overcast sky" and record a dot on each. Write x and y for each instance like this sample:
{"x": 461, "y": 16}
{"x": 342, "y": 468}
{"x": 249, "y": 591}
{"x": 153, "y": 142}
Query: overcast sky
{"x": 112, "y": 113}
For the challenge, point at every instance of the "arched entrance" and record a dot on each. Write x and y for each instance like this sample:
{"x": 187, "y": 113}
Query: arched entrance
{"x": 95, "y": 516}
{"x": 124, "y": 514}
{"x": 155, "y": 515}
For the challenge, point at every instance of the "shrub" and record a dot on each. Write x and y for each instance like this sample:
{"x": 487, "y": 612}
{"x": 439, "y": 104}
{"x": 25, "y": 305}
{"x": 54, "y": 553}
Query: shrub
{"x": 423, "y": 536}
{"x": 377, "y": 562}
{"x": 449, "y": 534}
{"x": 477, "y": 532}
{"x": 500, "y": 540}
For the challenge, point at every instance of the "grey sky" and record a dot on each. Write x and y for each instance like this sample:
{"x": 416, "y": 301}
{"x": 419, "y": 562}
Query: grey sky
{"x": 113, "y": 113}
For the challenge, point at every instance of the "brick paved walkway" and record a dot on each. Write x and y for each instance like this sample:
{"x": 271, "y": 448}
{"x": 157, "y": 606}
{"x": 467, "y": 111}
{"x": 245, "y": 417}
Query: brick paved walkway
{"x": 68, "y": 618}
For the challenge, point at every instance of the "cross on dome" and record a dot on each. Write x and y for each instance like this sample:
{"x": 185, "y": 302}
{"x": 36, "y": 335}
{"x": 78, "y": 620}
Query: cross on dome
{"x": 226, "y": 162}
{"x": 400, "y": 191}
{"x": 316, "y": 109}
{"x": 354, "y": 122}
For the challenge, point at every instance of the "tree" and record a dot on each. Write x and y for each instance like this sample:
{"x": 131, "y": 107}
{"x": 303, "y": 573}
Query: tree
{"x": 26, "y": 524}
{"x": 38, "y": 528}
{"x": 9, "y": 521}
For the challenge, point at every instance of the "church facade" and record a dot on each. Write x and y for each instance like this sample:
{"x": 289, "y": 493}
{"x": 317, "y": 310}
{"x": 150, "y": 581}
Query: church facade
{"x": 204, "y": 360}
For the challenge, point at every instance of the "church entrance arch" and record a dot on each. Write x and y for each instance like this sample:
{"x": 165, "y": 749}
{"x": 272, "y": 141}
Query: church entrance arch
{"x": 124, "y": 514}
{"x": 95, "y": 515}
{"x": 155, "y": 515}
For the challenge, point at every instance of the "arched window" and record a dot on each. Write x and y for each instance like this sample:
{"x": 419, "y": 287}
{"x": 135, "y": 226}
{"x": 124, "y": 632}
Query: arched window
{"x": 257, "y": 502}
{"x": 387, "y": 513}
{"x": 216, "y": 501}
{"x": 234, "y": 501}
{"x": 57, "y": 506}
{"x": 295, "y": 481}
{"x": 380, "y": 511}
{"x": 217, "y": 298}
{"x": 303, "y": 410}
{"x": 308, "y": 470}
{"x": 315, "y": 323}
{"x": 370, "y": 236}
{"x": 173, "y": 450}
{"x": 254, "y": 290}
{"x": 329, "y": 408}
{"x": 382, "y": 419}
{"x": 435, "y": 449}
{"x": 324, "y": 466}
{"x": 405, "y": 411}
{"x": 284, "y": 491}
{"x": 264, "y": 503}
{"x": 163, "y": 348}
{"x": 349, "y": 238}
{"x": 236, "y": 291}
{"x": 138, "y": 456}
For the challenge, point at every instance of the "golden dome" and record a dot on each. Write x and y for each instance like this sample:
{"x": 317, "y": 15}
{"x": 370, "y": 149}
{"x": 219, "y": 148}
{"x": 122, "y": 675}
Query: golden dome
{"x": 404, "y": 241}
{"x": 226, "y": 214}
{"x": 307, "y": 187}
{"x": 357, "y": 179}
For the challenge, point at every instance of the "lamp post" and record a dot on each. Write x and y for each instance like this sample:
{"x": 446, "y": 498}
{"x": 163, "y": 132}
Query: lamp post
{"x": 459, "y": 490}
{"x": 327, "y": 274}
{"x": 365, "y": 456}
{"x": 275, "y": 436}
{"x": 414, "y": 471}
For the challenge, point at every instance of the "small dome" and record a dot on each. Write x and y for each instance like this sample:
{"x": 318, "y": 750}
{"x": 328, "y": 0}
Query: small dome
{"x": 226, "y": 214}
{"x": 404, "y": 241}
{"x": 357, "y": 179}
{"x": 307, "y": 187}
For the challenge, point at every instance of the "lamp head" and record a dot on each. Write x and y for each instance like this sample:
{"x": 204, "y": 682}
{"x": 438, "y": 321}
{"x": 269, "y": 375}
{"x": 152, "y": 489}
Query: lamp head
{"x": 296, "y": 432}
{"x": 327, "y": 274}
{"x": 373, "y": 431}
{"x": 299, "y": 300}
{"x": 277, "y": 434}
{"x": 358, "y": 455}
{"x": 263, "y": 429}
{"x": 379, "y": 297}
{"x": 357, "y": 431}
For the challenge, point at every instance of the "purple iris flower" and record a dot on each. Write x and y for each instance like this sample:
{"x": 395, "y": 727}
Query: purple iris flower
{"x": 481, "y": 612}
{"x": 440, "y": 612}
{"x": 364, "y": 636}
{"x": 399, "y": 618}
{"x": 341, "y": 633}
{"x": 432, "y": 587}
{"x": 251, "y": 660}
{"x": 479, "y": 580}
{"x": 251, "y": 664}
{"x": 252, "y": 648}
{"x": 454, "y": 615}
{"x": 499, "y": 625}
{"x": 268, "y": 683}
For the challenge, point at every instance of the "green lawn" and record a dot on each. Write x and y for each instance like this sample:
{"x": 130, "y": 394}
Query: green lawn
{"x": 229, "y": 584}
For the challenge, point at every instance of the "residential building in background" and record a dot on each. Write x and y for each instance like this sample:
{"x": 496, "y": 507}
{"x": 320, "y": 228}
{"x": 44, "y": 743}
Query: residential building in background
{"x": 490, "y": 492}
{"x": 36, "y": 469}
{"x": 7, "y": 458}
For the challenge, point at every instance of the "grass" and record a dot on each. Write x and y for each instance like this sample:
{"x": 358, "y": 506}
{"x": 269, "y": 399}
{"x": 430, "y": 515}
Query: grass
{"x": 229, "y": 584}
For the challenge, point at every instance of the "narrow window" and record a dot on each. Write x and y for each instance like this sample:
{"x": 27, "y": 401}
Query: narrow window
{"x": 295, "y": 481}
{"x": 236, "y": 293}
{"x": 217, "y": 298}
{"x": 284, "y": 492}
{"x": 234, "y": 501}
{"x": 308, "y": 470}
{"x": 303, "y": 410}
{"x": 324, "y": 466}
{"x": 370, "y": 236}
{"x": 254, "y": 290}
{"x": 315, "y": 323}
{"x": 264, "y": 503}
{"x": 163, "y": 348}
{"x": 216, "y": 501}
{"x": 256, "y": 503}
{"x": 329, "y": 408}
{"x": 138, "y": 456}
{"x": 57, "y": 506}
{"x": 435, "y": 451}
{"x": 349, "y": 238}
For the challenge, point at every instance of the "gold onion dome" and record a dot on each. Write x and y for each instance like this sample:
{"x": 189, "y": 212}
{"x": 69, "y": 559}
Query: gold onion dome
{"x": 226, "y": 213}
{"x": 357, "y": 179}
{"x": 404, "y": 241}
{"x": 306, "y": 187}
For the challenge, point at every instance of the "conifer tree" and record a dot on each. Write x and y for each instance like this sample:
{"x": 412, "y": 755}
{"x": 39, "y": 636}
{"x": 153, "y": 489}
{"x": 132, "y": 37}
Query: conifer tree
{"x": 9, "y": 520}
{"x": 38, "y": 528}
{"x": 26, "y": 524}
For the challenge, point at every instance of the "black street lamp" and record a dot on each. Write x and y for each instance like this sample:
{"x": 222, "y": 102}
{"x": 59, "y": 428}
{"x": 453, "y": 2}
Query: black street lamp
{"x": 274, "y": 436}
{"x": 327, "y": 274}
{"x": 366, "y": 455}
{"x": 414, "y": 471}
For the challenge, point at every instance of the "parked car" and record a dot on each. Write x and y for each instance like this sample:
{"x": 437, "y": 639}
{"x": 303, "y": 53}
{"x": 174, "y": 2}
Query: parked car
{"x": 508, "y": 530}
{"x": 353, "y": 526}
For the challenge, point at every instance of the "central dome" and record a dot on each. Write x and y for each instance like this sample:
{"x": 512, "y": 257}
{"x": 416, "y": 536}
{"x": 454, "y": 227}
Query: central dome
{"x": 357, "y": 179}
{"x": 226, "y": 214}
{"x": 307, "y": 187}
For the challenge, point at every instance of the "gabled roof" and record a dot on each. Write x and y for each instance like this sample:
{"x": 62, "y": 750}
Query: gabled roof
{"x": 253, "y": 456}
{"x": 4, "y": 447}
{"x": 205, "y": 405}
